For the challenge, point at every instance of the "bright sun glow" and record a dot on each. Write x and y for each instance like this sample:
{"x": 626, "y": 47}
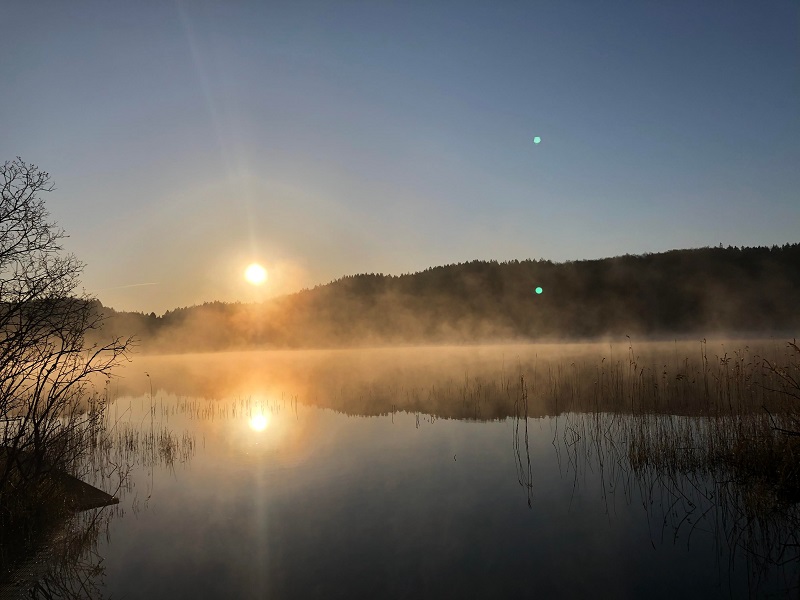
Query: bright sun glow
{"x": 255, "y": 274}
{"x": 259, "y": 422}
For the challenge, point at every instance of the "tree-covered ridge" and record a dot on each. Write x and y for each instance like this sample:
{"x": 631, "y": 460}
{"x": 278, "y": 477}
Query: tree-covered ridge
{"x": 700, "y": 291}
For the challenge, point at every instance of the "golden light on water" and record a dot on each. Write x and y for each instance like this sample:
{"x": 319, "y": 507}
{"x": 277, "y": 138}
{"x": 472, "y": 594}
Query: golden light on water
{"x": 259, "y": 422}
{"x": 255, "y": 274}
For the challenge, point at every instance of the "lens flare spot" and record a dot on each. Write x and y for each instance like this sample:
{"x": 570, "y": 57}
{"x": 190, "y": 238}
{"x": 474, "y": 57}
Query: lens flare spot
{"x": 537, "y": 140}
{"x": 259, "y": 422}
{"x": 538, "y": 290}
{"x": 255, "y": 274}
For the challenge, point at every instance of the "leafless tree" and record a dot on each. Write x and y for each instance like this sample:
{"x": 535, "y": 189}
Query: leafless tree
{"x": 49, "y": 409}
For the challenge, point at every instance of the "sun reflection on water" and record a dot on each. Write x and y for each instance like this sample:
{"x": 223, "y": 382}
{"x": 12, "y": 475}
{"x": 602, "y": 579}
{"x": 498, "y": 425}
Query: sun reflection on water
{"x": 259, "y": 422}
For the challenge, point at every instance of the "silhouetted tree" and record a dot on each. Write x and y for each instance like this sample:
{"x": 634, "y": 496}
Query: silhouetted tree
{"x": 47, "y": 411}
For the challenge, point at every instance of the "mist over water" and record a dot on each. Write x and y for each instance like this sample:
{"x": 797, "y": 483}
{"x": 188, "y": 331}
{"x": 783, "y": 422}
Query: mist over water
{"x": 428, "y": 472}
{"x": 442, "y": 380}
{"x": 741, "y": 293}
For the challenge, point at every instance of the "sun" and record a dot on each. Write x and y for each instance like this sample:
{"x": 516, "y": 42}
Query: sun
{"x": 255, "y": 274}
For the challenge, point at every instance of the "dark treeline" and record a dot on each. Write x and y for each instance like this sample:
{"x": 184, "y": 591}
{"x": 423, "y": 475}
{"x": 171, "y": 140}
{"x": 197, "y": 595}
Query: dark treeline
{"x": 682, "y": 292}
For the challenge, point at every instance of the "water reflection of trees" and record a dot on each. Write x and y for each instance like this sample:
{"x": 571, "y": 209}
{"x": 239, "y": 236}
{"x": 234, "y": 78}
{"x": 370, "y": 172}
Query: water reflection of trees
{"x": 66, "y": 563}
{"x": 482, "y": 384}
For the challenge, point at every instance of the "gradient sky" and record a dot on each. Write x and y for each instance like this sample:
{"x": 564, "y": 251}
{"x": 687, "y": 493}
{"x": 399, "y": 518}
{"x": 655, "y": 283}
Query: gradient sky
{"x": 186, "y": 139}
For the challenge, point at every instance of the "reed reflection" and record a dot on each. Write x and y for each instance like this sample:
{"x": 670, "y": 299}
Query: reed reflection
{"x": 669, "y": 466}
{"x": 521, "y": 442}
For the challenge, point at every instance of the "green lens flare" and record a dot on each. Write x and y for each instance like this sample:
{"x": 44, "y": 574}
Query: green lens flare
{"x": 537, "y": 139}
{"x": 539, "y": 290}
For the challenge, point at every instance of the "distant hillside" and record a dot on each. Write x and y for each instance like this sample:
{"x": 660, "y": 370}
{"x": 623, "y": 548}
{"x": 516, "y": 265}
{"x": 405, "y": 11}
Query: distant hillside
{"x": 681, "y": 292}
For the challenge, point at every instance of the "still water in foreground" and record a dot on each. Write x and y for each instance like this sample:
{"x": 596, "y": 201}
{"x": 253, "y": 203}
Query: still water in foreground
{"x": 270, "y": 475}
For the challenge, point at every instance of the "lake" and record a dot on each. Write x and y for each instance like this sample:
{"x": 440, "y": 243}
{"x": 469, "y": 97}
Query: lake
{"x": 432, "y": 472}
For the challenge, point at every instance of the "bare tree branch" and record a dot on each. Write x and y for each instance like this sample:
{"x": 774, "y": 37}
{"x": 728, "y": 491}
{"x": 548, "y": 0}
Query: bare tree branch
{"x": 47, "y": 366}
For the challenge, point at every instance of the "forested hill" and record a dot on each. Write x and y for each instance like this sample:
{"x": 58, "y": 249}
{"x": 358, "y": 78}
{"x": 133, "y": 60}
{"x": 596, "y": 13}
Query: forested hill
{"x": 703, "y": 291}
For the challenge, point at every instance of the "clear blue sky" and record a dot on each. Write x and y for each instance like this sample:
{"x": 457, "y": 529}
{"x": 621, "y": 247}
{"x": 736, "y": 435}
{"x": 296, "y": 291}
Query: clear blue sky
{"x": 187, "y": 139}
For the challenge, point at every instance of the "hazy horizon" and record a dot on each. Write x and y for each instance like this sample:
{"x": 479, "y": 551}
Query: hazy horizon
{"x": 393, "y": 275}
{"x": 188, "y": 140}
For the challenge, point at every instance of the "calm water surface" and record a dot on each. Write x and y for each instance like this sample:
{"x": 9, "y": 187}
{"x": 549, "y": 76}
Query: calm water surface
{"x": 280, "y": 475}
